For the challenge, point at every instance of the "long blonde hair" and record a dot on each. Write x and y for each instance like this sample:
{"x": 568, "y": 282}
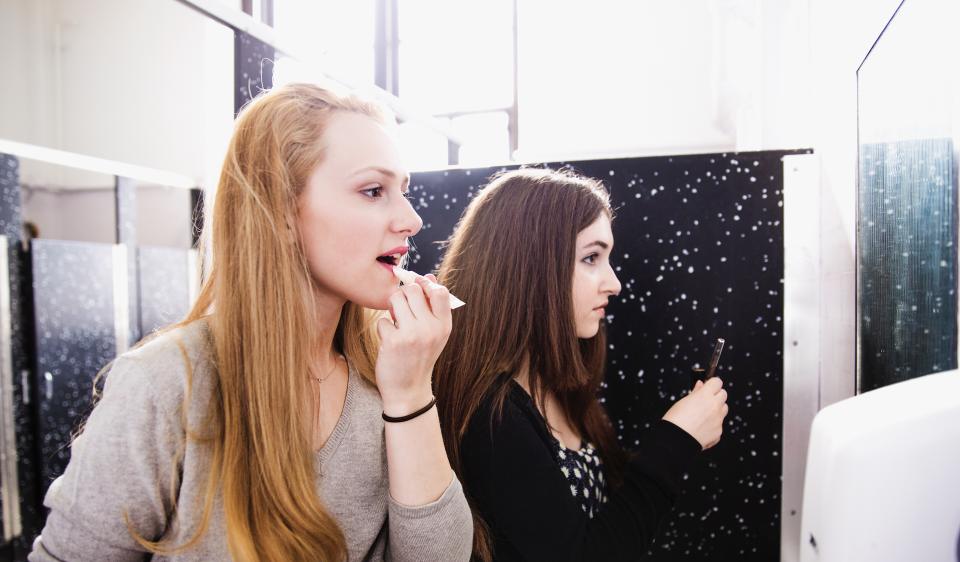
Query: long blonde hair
{"x": 257, "y": 302}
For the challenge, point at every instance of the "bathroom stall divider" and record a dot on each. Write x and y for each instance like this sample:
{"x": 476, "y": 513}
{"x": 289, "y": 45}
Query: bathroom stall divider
{"x": 69, "y": 308}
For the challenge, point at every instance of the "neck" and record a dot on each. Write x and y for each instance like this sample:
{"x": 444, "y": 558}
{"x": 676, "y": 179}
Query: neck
{"x": 326, "y": 317}
{"x": 523, "y": 375}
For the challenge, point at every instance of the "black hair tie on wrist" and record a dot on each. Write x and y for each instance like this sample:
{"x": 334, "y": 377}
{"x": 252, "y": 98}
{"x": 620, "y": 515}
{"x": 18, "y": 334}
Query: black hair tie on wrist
{"x": 409, "y": 417}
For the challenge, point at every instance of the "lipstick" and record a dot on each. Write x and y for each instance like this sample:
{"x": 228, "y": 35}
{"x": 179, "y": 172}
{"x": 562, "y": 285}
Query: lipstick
{"x": 409, "y": 277}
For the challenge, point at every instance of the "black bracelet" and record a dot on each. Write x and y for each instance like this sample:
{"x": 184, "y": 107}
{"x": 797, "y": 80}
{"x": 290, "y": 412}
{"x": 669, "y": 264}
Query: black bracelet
{"x": 409, "y": 417}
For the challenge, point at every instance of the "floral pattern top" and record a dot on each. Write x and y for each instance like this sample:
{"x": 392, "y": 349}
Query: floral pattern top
{"x": 584, "y": 474}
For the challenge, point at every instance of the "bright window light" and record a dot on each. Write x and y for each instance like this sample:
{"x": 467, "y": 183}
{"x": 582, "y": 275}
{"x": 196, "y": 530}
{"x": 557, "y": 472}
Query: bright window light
{"x": 338, "y": 36}
{"x": 456, "y": 56}
{"x": 487, "y": 139}
{"x": 286, "y": 70}
{"x": 422, "y": 149}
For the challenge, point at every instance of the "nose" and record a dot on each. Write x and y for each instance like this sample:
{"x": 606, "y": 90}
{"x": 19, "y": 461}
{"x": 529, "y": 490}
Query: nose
{"x": 406, "y": 221}
{"x": 610, "y": 284}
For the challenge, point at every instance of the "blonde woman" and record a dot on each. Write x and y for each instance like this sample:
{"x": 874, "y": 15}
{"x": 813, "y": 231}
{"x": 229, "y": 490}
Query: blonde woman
{"x": 286, "y": 418}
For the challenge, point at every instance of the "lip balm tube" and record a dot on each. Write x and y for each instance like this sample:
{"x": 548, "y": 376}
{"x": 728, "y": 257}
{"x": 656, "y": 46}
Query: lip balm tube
{"x": 715, "y": 358}
{"x": 409, "y": 277}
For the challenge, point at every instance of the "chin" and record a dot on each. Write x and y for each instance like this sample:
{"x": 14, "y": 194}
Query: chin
{"x": 374, "y": 300}
{"x": 588, "y": 333}
{"x": 372, "y": 303}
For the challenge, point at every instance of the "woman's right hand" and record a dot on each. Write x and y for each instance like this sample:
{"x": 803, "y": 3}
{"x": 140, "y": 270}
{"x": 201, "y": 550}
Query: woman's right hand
{"x": 701, "y": 412}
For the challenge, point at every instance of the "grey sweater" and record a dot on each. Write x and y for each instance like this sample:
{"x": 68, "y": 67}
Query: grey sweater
{"x": 123, "y": 462}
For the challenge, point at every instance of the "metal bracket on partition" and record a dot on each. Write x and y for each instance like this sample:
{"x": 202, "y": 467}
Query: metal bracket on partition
{"x": 9, "y": 481}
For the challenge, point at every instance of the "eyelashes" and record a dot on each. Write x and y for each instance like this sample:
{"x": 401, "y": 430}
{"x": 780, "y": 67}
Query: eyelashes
{"x": 377, "y": 192}
{"x": 373, "y": 192}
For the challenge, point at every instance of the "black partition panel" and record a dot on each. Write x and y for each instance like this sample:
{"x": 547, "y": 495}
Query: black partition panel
{"x": 164, "y": 286}
{"x": 21, "y": 345}
{"x": 699, "y": 251}
{"x": 75, "y": 338}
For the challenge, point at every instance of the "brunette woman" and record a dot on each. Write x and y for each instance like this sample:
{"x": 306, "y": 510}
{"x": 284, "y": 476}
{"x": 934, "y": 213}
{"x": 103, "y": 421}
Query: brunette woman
{"x": 254, "y": 430}
{"x": 517, "y": 383}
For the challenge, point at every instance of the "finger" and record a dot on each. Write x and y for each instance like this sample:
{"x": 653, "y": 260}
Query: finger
{"x": 417, "y": 301}
{"x": 431, "y": 277}
{"x": 439, "y": 298}
{"x": 400, "y": 305}
{"x": 384, "y": 326}
{"x": 697, "y": 386}
{"x": 714, "y": 385}
{"x": 722, "y": 395}
{"x": 425, "y": 283}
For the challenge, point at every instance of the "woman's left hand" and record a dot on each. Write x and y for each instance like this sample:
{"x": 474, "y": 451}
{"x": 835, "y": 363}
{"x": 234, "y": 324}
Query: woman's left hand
{"x": 410, "y": 348}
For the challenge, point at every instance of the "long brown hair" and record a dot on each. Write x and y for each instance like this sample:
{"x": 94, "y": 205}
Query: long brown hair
{"x": 258, "y": 304}
{"x": 513, "y": 256}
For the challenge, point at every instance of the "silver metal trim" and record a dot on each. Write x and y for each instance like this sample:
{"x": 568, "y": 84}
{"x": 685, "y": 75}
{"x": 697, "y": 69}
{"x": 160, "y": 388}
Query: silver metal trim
{"x": 48, "y": 381}
{"x": 121, "y": 298}
{"x": 100, "y": 165}
{"x": 10, "y": 484}
{"x": 801, "y": 336}
{"x": 25, "y": 385}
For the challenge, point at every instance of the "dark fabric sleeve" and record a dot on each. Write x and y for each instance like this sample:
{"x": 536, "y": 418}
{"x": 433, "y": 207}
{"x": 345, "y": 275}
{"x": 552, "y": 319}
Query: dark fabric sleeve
{"x": 512, "y": 477}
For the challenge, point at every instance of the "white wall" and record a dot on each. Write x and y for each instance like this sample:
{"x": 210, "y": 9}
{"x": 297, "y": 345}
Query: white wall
{"x": 611, "y": 78}
{"x": 89, "y": 215}
{"x": 147, "y": 82}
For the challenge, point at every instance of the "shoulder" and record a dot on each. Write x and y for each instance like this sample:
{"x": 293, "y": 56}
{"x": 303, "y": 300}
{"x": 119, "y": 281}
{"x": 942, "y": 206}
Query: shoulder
{"x": 514, "y": 418}
{"x": 165, "y": 368}
{"x": 191, "y": 343}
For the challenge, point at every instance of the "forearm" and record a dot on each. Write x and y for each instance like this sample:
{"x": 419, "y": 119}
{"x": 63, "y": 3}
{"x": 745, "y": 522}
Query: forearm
{"x": 417, "y": 463}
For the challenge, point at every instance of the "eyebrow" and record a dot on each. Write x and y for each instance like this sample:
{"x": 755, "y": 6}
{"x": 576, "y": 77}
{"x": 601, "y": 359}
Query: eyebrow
{"x": 385, "y": 171}
{"x": 600, "y": 243}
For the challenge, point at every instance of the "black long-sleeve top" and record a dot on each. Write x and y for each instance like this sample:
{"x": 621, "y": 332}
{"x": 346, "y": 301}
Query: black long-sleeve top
{"x": 514, "y": 479}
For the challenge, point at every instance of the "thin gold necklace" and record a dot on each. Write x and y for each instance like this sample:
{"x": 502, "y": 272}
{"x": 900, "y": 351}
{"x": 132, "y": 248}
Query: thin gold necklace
{"x": 335, "y": 363}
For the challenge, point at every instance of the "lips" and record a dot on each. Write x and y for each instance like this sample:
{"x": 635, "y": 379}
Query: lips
{"x": 601, "y": 307}
{"x": 392, "y": 257}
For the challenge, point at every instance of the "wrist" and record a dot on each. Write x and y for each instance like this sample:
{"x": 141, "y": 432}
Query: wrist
{"x": 397, "y": 404}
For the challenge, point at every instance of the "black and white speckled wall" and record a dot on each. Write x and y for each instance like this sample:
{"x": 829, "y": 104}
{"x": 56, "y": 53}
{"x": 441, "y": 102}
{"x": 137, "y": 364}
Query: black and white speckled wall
{"x": 75, "y": 339}
{"x": 253, "y": 68}
{"x": 699, "y": 251}
{"x": 164, "y": 286}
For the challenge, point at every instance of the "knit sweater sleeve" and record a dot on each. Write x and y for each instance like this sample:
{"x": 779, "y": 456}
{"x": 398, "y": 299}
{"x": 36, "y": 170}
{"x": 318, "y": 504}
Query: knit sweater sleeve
{"x": 512, "y": 476}
{"x": 440, "y": 531}
{"x": 121, "y": 469}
